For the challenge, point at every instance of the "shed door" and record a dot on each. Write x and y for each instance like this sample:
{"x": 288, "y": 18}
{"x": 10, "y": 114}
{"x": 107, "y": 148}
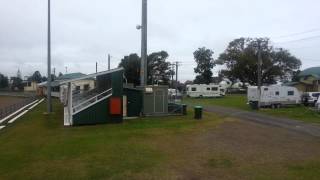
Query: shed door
{"x": 134, "y": 103}
{"x": 159, "y": 101}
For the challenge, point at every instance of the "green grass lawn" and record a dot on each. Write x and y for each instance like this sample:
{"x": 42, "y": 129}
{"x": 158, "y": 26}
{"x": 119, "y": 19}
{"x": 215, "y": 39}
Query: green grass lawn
{"x": 37, "y": 146}
{"x": 301, "y": 113}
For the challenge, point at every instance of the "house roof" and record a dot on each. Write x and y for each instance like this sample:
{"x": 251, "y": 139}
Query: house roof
{"x": 314, "y": 71}
{"x": 290, "y": 83}
{"x": 70, "y": 76}
{"x": 90, "y": 76}
{"x": 77, "y": 77}
{"x": 65, "y": 77}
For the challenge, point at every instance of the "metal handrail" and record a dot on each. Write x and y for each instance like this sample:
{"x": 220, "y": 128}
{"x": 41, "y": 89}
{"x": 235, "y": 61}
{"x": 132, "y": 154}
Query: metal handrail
{"x": 92, "y": 100}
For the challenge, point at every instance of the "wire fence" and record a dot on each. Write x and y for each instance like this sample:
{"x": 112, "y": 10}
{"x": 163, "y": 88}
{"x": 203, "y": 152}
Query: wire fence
{"x": 6, "y": 111}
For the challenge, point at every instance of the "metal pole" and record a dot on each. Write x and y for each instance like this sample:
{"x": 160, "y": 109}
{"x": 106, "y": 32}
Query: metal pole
{"x": 144, "y": 32}
{"x": 109, "y": 60}
{"x": 49, "y": 103}
{"x": 96, "y": 67}
{"x": 172, "y": 69}
{"x": 177, "y": 65}
{"x": 259, "y": 71}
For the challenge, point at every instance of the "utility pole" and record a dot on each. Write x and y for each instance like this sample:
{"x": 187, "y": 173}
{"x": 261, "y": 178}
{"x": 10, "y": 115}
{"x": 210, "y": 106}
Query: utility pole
{"x": 259, "y": 72}
{"x": 66, "y": 70}
{"x": 177, "y": 69}
{"x": 172, "y": 69}
{"x": 96, "y": 67}
{"x": 144, "y": 34}
{"x": 109, "y": 60}
{"x": 49, "y": 103}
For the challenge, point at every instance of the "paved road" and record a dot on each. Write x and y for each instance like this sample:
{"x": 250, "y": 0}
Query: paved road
{"x": 290, "y": 124}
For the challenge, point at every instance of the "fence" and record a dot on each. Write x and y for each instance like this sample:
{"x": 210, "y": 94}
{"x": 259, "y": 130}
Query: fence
{"x": 6, "y": 111}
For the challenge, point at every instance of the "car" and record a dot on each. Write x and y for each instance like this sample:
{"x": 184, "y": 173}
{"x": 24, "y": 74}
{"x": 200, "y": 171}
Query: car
{"x": 310, "y": 98}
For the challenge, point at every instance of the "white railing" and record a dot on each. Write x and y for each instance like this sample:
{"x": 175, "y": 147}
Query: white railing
{"x": 90, "y": 102}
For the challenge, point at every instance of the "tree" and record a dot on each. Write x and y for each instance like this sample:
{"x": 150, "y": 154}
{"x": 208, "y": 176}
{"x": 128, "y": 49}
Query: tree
{"x": 295, "y": 76}
{"x": 4, "y": 82}
{"x": 44, "y": 78}
{"x": 36, "y": 77}
{"x": 60, "y": 74}
{"x": 205, "y": 63}
{"x": 241, "y": 57}
{"x": 159, "y": 71}
{"x": 16, "y": 83}
{"x": 131, "y": 65}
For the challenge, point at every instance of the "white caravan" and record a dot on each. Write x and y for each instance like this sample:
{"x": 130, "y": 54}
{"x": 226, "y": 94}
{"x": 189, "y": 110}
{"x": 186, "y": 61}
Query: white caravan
{"x": 204, "y": 90}
{"x": 274, "y": 96}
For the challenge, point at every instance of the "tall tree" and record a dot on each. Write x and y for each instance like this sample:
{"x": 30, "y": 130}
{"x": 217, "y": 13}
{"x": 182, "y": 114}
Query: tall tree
{"x": 60, "y": 74}
{"x": 131, "y": 65}
{"x": 159, "y": 71}
{"x": 4, "y": 82}
{"x": 241, "y": 57}
{"x": 205, "y": 63}
{"x": 36, "y": 77}
{"x": 16, "y": 83}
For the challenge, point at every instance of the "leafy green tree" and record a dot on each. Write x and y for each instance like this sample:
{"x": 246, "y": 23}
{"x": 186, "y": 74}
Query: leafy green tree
{"x": 131, "y": 65}
{"x": 241, "y": 57}
{"x": 4, "y": 82}
{"x": 36, "y": 77}
{"x": 44, "y": 78}
{"x": 159, "y": 71}
{"x": 16, "y": 83}
{"x": 295, "y": 76}
{"x": 205, "y": 63}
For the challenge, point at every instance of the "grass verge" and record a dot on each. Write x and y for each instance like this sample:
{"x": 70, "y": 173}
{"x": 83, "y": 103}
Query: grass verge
{"x": 301, "y": 113}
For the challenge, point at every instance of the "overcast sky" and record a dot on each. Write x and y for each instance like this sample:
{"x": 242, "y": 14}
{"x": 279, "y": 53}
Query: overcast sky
{"x": 84, "y": 31}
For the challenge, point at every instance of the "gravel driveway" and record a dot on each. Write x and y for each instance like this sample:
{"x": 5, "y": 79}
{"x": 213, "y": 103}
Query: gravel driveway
{"x": 311, "y": 129}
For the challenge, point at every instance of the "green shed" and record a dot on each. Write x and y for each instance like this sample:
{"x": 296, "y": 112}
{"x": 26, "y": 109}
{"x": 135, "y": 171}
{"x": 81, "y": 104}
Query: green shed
{"x": 103, "y": 104}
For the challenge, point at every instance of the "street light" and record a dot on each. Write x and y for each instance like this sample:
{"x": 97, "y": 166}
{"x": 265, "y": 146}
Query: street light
{"x": 49, "y": 104}
{"x": 144, "y": 29}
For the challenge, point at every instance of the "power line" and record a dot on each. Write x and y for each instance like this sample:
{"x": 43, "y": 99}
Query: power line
{"x": 298, "y": 40}
{"x": 299, "y": 33}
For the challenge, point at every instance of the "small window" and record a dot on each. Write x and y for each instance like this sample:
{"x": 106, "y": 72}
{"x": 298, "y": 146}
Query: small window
{"x": 86, "y": 87}
{"x": 290, "y": 93}
{"x": 214, "y": 89}
{"x": 315, "y": 95}
{"x": 266, "y": 89}
{"x": 208, "y": 89}
{"x": 277, "y": 93}
{"x": 193, "y": 89}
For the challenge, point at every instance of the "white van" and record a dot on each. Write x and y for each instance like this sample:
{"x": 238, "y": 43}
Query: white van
{"x": 204, "y": 90}
{"x": 274, "y": 96}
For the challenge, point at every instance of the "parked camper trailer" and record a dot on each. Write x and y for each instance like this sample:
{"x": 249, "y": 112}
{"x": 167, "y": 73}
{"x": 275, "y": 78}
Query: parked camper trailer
{"x": 204, "y": 90}
{"x": 274, "y": 96}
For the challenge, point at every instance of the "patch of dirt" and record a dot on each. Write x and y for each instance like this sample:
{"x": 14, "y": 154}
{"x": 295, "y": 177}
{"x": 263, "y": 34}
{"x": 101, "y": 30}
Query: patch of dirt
{"x": 6, "y": 101}
{"x": 236, "y": 149}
